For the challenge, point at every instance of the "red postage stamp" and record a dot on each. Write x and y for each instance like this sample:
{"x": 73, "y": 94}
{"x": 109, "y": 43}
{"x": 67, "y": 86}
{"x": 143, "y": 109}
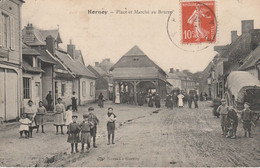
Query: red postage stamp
{"x": 198, "y": 22}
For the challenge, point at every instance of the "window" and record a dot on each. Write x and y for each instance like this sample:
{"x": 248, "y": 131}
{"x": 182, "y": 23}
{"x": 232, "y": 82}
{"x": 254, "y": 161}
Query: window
{"x": 136, "y": 58}
{"x": 26, "y": 88}
{"x": 63, "y": 89}
{"x": 84, "y": 90}
{"x": 7, "y": 31}
{"x": 91, "y": 89}
{"x": 38, "y": 89}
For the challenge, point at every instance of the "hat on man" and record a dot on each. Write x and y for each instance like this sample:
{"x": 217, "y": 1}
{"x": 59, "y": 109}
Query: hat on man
{"x": 90, "y": 109}
{"x": 85, "y": 115}
{"x": 223, "y": 100}
{"x": 59, "y": 98}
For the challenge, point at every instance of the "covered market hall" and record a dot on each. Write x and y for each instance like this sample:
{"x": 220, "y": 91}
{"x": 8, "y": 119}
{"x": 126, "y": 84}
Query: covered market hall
{"x": 136, "y": 74}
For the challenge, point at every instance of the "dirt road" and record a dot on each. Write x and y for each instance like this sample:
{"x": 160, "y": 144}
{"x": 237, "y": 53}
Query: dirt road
{"x": 179, "y": 137}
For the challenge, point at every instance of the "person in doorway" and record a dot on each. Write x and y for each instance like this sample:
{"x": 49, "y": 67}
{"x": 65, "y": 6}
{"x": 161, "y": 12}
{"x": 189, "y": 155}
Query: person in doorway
{"x": 223, "y": 111}
{"x": 40, "y": 116}
{"x": 86, "y": 126}
{"x": 93, "y": 119}
{"x": 49, "y": 101}
{"x": 31, "y": 111}
{"x": 59, "y": 116}
{"x": 74, "y": 102}
{"x": 73, "y": 134}
{"x": 101, "y": 100}
{"x": 180, "y": 100}
{"x": 247, "y": 117}
{"x": 111, "y": 119}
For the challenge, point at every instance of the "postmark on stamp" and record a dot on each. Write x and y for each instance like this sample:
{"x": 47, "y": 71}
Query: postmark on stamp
{"x": 198, "y": 22}
{"x": 193, "y": 27}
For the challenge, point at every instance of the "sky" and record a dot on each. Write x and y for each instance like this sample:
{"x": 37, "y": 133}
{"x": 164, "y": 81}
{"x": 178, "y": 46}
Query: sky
{"x": 101, "y": 36}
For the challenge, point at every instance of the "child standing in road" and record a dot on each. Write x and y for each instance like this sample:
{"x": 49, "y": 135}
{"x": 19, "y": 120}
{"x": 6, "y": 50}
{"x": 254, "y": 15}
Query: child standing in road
{"x": 41, "y": 111}
{"x": 24, "y": 127}
{"x": 85, "y": 132}
{"x": 247, "y": 117}
{"x": 68, "y": 116}
{"x": 111, "y": 119}
{"x": 223, "y": 111}
{"x": 232, "y": 121}
{"x": 73, "y": 131}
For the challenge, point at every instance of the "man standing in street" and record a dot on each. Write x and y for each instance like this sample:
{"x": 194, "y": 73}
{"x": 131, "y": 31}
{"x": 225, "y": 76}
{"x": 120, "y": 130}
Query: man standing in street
{"x": 49, "y": 101}
{"x": 93, "y": 119}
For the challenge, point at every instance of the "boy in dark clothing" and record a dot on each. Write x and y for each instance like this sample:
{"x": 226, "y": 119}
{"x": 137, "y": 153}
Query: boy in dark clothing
{"x": 232, "y": 121}
{"x": 73, "y": 131}
{"x": 85, "y": 132}
{"x": 247, "y": 117}
{"x": 94, "y": 120}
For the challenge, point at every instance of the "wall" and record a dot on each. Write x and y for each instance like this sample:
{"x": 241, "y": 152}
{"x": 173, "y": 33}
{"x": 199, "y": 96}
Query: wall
{"x": 68, "y": 90}
{"x": 46, "y": 82}
{"x": 34, "y": 78}
{"x": 15, "y": 53}
{"x": 88, "y": 97}
{"x": 175, "y": 82}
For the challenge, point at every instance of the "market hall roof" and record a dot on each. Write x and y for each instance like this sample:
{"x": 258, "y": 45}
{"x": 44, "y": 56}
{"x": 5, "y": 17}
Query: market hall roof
{"x": 135, "y": 64}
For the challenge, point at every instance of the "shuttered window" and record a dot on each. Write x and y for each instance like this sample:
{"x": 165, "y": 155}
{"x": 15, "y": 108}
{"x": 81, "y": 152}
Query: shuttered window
{"x": 91, "y": 89}
{"x": 12, "y": 33}
{"x": 84, "y": 90}
{"x": 1, "y": 29}
{"x": 5, "y": 30}
{"x": 26, "y": 88}
{"x": 63, "y": 89}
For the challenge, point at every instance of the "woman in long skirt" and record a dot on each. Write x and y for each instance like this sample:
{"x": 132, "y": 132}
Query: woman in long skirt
{"x": 59, "y": 116}
{"x": 40, "y": 116}
{"x": 31, "y": 111}
{"x": 180, "y": 100}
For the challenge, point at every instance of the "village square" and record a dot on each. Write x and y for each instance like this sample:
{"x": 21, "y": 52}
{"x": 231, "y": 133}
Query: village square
{"x": 59, "y": 109}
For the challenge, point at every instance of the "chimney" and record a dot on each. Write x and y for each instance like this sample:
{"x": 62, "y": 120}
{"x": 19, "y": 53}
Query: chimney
{"x": 50, "y": 44}
{"x": 234, "y": 36}
{"x": 247, "y": 25}
{"x": 71, "y": 50}
{"x": 96, "y": 64}
{"x": 171, "y": 70}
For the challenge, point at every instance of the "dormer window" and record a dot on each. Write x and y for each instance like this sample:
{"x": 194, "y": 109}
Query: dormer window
{"x": 136, "y": 58}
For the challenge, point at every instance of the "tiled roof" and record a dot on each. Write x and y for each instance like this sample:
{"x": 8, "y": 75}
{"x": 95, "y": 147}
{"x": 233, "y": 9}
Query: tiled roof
{"x": 74, "y": 66}
{"x": 39, "y": 36}
{"x": 27, "y": 67}
{"x": 99, "y": 70}
{"x": 130, "y": 60}
{"x": 252, "y": 58}
{"x": 26, "y": 50}
{"x": 45, "y": 57}
{"x": 173, "y": 76}
{"x": 134, "y": 51}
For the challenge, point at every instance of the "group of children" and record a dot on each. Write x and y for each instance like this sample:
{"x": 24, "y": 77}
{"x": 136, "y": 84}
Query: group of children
{"x": 82, "y": 132}
{"x": 229, "y": 119}
{"x": 77, "y": 132}
{"x": 32, "y": 118}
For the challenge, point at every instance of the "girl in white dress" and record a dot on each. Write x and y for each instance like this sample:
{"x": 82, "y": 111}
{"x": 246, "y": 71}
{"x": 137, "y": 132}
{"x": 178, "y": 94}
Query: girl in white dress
{"x": 180, "y": 100}
{"x": 68, "y": 115}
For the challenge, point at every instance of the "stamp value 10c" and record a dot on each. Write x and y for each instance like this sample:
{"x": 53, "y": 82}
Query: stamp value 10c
{"x": 198, "y": 22}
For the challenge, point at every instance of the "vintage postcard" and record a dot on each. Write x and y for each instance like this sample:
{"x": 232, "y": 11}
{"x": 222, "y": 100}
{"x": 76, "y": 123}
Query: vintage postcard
{"x": 129, "y": 83}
